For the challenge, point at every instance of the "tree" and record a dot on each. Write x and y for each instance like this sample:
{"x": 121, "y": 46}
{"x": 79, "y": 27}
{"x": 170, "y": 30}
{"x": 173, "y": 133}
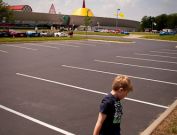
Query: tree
{"x": 146, "y": 22}
{"x": 172, "y": 21}
{"x": 161, "y": 22}
{"x": 87, "y": 21}
{"x": 6, "y": 15}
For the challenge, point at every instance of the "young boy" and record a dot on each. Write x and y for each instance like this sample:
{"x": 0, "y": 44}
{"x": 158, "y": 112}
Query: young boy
{"x": 110, "y": 114}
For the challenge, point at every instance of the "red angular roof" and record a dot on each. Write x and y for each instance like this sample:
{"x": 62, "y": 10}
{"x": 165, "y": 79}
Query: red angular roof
{"x": 17, "y": 7}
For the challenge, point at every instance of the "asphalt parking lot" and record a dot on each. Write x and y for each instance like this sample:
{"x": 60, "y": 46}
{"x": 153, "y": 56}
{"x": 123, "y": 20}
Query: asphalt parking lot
{"x": 55, "y": 88}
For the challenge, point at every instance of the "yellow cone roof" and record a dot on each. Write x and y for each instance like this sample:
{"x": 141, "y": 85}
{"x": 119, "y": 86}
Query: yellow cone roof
{"x": 83, "y": 12}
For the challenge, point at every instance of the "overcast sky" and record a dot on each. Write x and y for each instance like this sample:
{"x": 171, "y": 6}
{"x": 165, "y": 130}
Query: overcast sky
{"x": 133, "y": 9}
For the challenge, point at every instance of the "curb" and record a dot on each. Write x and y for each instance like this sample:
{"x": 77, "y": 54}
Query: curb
{"x": 154, "y": 125}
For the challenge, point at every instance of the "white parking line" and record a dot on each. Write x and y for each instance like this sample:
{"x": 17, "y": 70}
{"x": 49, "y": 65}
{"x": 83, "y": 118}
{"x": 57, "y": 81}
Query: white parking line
{"x": 135, "y": 65}
{"x": 155, "y": 55}
{"x": 88, "y": 90}
{"x": 169, "y": 50}
{"x": 104, "y": 72}
{"x": 3, "y": 51}
{"x": 92, "y": 43}
{"x": 22, "y": 47}
{"x": 60, "y": 44}
{"x": 36, "y": 121}
{"x": 147, "y": 60}
{"x": 162, "y": 52}
{"x": 42, "y": 45}
{"x": 96, "y": 42}
{"x": 83, "y": 44}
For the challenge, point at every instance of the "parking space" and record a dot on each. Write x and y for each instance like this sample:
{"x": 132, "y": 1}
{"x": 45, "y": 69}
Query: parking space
{"x": 56, "y": 87}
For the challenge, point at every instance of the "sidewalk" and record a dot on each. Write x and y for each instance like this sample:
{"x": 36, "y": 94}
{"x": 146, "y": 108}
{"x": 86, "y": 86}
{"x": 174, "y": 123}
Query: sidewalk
{"x": 133, "y": 36}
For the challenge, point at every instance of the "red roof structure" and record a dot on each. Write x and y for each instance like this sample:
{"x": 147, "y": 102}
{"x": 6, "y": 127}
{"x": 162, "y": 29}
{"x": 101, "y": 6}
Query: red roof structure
{"x": 83, "y": 5}
{"x": 52, "y": 10}
{"x": 24, "y": 8}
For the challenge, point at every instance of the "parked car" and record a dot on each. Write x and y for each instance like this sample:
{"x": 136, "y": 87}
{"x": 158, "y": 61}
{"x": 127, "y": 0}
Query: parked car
{"x": 104, "y": 30}
{"x": 97, "y": 30}
{"x": 125, "y": 32}
{"x": 4, "y": 34}
{"x": 114, "y": 31}
{"x": 12, "y": 33}
{"x": 43, "y": 34}
{"x": 32, "y": 34}
{"x": 50, "y": 34}
{"x": 60, "y": 34}
{"x": 15, "y": 33}
{"x": 167, "y": 33}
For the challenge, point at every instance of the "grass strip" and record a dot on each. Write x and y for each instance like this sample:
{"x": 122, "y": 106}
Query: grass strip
{"x": 168, "y": 126}
{"x": 164, "y": 37}
{"x": 39, "y": 39}
{"x": 36, "y": 39}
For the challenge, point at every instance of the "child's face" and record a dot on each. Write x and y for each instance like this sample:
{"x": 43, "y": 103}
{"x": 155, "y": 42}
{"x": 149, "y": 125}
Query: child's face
{"x": 122, "y": 94}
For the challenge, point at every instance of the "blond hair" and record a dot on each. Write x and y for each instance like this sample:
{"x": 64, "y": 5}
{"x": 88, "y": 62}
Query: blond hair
{"x": 122, "y": 81}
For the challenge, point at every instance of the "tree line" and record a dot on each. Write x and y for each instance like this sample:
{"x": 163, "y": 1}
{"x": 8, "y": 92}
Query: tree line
{"x": 6, "y": 15}
{"x": 159, "y": 22}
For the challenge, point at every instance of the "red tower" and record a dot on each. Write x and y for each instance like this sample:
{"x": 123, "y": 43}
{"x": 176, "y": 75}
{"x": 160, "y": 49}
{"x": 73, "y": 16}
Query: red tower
{"x": 52, "y": 10}
{"x": 83, "y": 6}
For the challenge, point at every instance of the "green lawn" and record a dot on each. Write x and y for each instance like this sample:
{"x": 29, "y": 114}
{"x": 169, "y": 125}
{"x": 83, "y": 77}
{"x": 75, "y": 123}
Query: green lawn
{"x": 143, "y": 33}
{"x": 168, "y": 126}
{"x": 39, "y": 39}
{"x": 165, "y": 37}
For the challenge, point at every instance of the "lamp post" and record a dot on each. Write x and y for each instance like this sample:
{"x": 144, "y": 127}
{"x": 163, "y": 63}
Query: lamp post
{"x": 117, "y": 13}
{"x": 4, "y": 21}
{"x": 98, "y": 25}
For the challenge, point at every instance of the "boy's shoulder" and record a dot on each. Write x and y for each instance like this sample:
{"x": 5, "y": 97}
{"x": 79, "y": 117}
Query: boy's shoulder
{"x": 109, "y": 98}
{"x": 107, "y": 104}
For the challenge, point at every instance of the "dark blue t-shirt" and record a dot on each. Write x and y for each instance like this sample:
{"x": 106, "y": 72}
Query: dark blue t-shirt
{"x": 112, "y": 107}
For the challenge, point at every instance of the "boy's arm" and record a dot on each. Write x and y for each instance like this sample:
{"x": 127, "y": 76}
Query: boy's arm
{"x": 99, "y": 123}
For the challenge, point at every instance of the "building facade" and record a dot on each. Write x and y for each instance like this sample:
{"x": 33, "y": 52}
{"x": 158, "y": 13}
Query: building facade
{"x": 60, "y": 20}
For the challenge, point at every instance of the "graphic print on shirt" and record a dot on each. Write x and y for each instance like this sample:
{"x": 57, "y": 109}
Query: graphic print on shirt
{"x": 118, "y": 112}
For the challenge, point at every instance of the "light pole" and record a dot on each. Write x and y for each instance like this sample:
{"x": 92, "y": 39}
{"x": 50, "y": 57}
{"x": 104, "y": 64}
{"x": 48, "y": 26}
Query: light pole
{"x": 98, "y": 25}
{"x": 4, "y": 21}
{"x": 117, "y": 13}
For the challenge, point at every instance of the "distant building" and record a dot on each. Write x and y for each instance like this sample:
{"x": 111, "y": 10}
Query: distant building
{"x": 57, "y": 20}
{"x": 24, "y": 17}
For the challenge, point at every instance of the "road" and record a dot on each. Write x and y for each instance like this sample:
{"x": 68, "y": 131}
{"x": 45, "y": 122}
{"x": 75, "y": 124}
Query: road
{"x": 55, "y": 88}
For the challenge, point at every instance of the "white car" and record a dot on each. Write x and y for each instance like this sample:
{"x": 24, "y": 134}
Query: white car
{"x": 60, "y": 34}
{"x": 43, "y": 34}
